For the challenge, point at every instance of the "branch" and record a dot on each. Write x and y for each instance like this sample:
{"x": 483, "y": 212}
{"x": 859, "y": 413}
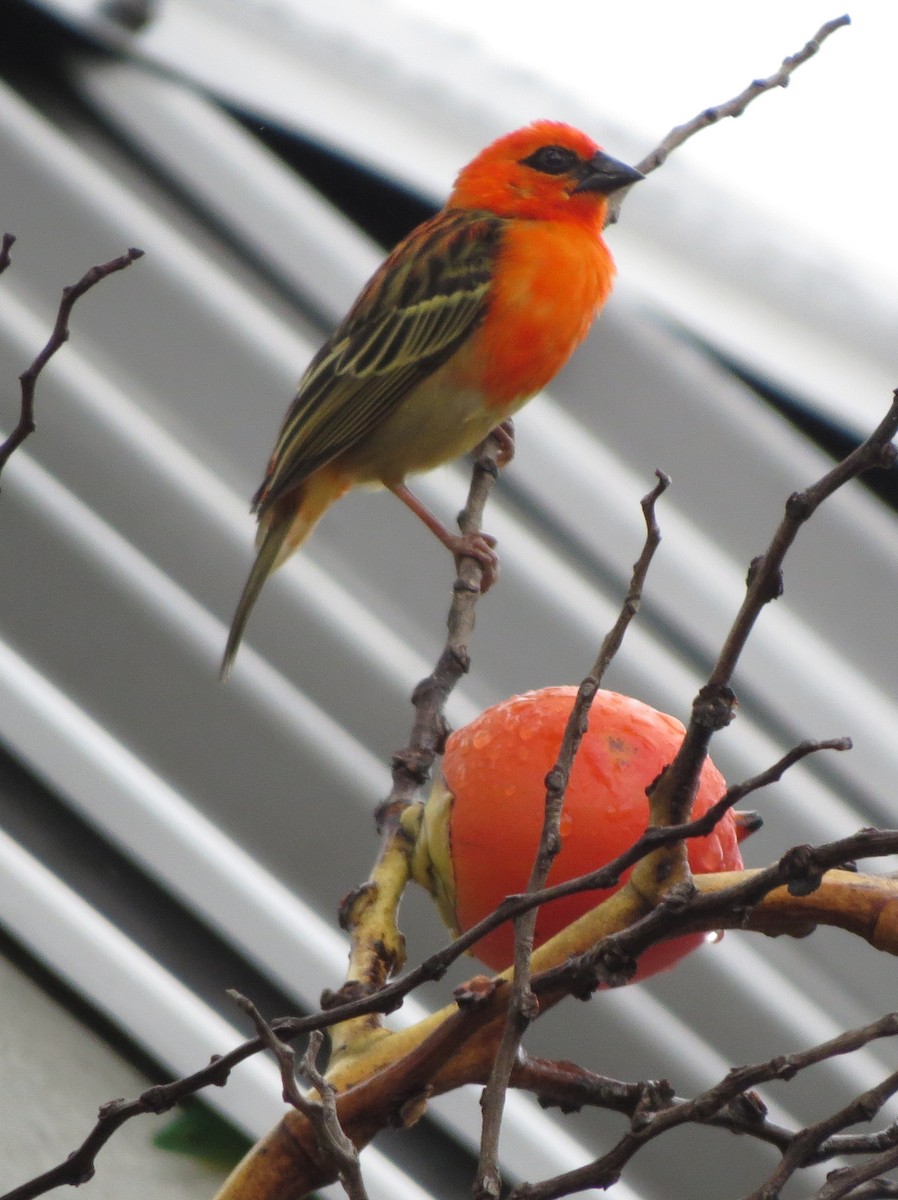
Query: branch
{"x": 730, "y": 108}
{"x": 411, "y": 766}
{"x": 861, "y": 904}
{"x": 322, "y": 1116}
{"x": 58, "y": 338}
{"x": 791, "y": 896}
{"x": 570, "y": 1087}
{"x": 369, "y": 913}
{"x": 851, "y": 1180}
{"x": 807, "y": 1141}
{"x": 714, "y": 707}
{"x": 523, "y": 1006}
{"x": 737, "y": 106}
{"x": 657, "y": 1114}
{"x": 78, "y": 1167}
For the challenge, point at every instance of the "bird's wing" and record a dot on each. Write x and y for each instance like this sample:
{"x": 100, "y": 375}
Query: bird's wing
{"x": 420, "y": 306}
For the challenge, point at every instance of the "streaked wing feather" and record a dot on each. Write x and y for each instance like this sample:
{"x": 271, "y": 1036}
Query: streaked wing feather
{"x": 423, "y": 303}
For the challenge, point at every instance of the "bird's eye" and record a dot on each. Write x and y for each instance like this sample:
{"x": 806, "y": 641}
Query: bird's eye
{"x": 551, "y": 160}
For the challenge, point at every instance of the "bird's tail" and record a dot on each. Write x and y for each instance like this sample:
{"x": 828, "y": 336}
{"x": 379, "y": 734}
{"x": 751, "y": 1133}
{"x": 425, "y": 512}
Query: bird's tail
{"x": 266, "y": 560}
{"x": 281, "y": 531}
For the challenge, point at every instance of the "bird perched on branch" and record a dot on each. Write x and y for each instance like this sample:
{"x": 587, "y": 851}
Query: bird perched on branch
{"x": 471, "y": 315}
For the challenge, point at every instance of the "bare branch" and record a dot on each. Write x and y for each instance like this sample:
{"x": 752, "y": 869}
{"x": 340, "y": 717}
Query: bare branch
{"x": 805, "y": 1145}
{"x": 714, "y": 706}
{"x": 369, "y": 914}
{"x": 58, "y": 338}
{"x": 731, "y": 908}
{"x": 331, "y": 1139}
{"x": 862, "y": 1182}
{"x": 730, "y": 108}
{"x": 710, "y": 904}
{"x": 523, "y": 1006}
{"x": 765, "y": 575}
{"x": 658, "y": 1112}
{"x": 284, "y": 1054}
{"x": 738, "y": 104}
{"x": 78, "y": 1167}
{"x": 411, "y": 766}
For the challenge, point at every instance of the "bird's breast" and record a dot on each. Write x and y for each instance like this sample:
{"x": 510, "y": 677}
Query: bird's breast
{"x": 551, "y": 279}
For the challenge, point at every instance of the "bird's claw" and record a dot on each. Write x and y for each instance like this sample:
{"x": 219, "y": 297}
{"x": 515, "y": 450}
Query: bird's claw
{"x": 504, "y": 435}
{"x": 480, "y": 547}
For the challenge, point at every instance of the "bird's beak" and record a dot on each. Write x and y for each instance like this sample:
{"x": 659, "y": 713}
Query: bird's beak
{"x": 604, "y": 174}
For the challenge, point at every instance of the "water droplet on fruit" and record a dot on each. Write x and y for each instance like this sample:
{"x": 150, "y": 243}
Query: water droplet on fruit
{"x": 565, "y": 824}
{"x": 481, "y": 739}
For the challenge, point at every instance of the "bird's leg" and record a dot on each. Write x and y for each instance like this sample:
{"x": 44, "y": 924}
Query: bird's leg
{"x": 467, "y": 545}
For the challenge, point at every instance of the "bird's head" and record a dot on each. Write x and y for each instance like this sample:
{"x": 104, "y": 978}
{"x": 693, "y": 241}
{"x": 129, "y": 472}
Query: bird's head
{"x": 547, "y": 170}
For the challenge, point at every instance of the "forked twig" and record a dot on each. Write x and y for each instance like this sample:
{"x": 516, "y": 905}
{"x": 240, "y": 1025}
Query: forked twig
{"x": 321, "y": 1113}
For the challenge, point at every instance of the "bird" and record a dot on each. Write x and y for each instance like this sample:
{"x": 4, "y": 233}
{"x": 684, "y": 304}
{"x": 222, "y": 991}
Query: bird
{"x": 471, "y": 314}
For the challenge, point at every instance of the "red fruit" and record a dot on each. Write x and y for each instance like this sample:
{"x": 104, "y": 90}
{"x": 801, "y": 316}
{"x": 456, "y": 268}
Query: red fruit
{"x": 483, "y": 819}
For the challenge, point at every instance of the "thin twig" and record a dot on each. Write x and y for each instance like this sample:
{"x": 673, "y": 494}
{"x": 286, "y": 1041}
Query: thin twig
{"x": 284, "y": 1054}
{"x": 570, "y": 1087}
{"x": 657, "y": 1113}
{"x": 322, "y": 1114}
{"x": 806, "y": 1143}
{"x": 523, "y": 1006}
{"x": 79, "y": 1166}
{"x": 714, "y": 706}
{"x": 411, "y": 766}
{"x": 58, "y": 338}
{"x": 862, "y": 1182}
{"x": 330, "y": 1133}
{"x": 730, "y": 108}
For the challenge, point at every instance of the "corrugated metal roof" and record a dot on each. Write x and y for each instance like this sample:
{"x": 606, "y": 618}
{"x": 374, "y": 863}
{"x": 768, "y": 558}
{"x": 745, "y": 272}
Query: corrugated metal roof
{"x": 126, "y": 538}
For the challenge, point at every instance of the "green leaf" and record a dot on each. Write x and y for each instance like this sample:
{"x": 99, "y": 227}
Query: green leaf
{"x": 202, "y": 1133}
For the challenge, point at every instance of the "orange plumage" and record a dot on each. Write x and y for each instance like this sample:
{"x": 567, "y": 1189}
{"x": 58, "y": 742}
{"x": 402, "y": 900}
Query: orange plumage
{"x": 470, "y": 315}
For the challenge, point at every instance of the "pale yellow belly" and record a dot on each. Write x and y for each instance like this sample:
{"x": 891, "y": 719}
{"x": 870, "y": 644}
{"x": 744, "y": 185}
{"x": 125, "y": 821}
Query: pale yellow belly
{"x": 435, "y": 424}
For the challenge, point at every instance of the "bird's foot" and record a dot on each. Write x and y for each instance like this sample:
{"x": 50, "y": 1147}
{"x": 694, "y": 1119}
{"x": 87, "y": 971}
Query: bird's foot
{"x": 479, "y": 546}
{"x": 504, "y": 435}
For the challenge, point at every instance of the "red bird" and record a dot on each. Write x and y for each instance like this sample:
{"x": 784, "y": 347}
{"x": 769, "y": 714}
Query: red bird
{"x": 471, "y": 315}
